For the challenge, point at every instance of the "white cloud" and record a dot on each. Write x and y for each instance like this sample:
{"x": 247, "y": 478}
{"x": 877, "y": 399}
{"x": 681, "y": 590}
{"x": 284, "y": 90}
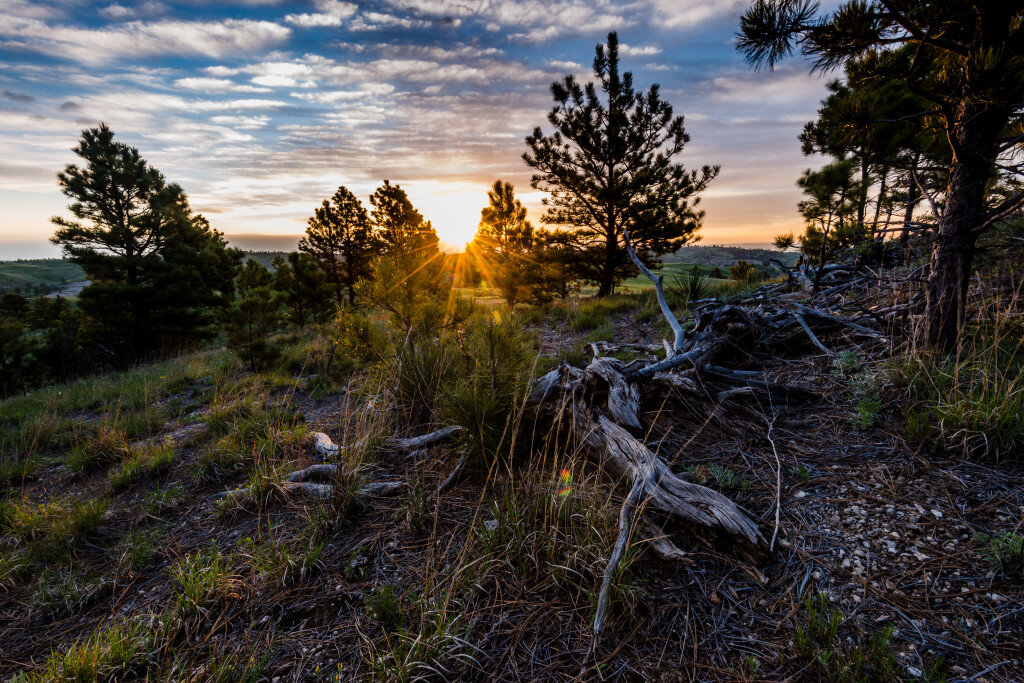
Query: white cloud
{"x": 216, "y": 85}
{"x": 331, "y": 13}
{"x": 690, "y": 13}
{"x": 242, "y": 122}
{"x": 117, "y": 12}
{"x": 638, "y": 51}
{"x": 365, "y": 92}
{"x": 534, "y": 20}
{"x": 97, "y": 46}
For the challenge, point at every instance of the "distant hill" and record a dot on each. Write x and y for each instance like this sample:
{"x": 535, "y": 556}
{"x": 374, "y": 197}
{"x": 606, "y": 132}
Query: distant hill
{"x": 38, "y": 276}
{"x": 720, "y": 255}
{"x": 265, "y": 257}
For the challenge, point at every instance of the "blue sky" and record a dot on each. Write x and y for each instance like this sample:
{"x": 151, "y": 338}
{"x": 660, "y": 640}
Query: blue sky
{"x": 261, "y": 108}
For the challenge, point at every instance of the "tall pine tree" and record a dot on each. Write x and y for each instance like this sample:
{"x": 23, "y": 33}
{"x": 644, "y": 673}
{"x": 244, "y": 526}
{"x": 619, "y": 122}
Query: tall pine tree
{"x": 966, "y": 60}
{"x": 398, "y": 225}
{"x": 156, "y": 270}
{"x": 503, "y": 243}
{"x": 338, "y": 239}
{"x": 610, "y": 166}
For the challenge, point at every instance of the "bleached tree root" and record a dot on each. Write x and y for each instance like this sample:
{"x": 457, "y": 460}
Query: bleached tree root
{"x": 323, "y": 470}
{"x": 301, "y": 482}
{"x": 418, "y": 442}
{"x": 326, "y": 448}
{"x": 314, "y": 490}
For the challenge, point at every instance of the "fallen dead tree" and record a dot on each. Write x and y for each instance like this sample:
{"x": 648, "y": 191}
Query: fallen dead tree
{"x": 603, "y": 400}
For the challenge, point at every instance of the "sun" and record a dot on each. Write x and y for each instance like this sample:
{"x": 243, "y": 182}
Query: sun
{"x": 453, "y": 209}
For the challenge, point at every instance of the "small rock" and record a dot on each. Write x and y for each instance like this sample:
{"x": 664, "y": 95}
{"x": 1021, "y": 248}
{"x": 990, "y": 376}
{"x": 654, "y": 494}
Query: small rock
{"x": 937, "y": 514}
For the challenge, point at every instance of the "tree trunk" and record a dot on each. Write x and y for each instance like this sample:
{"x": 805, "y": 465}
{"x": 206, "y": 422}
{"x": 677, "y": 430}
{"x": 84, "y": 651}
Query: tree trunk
{"x": 608, "y": 270}
{"x": 911, "y": 202}
{"x": 956, "y": 231}
{"x": 878, "y": 204}
{"x": 862, "y": 201}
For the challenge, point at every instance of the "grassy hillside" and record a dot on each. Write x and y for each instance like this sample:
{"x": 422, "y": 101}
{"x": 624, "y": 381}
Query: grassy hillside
{"x": 717, "y": 255}
{"x": 37, "y": 276}
{"x": 147, "y": 529}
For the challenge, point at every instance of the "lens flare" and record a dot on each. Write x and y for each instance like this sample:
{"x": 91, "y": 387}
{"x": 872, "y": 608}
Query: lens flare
{"x": 565, "y": 480}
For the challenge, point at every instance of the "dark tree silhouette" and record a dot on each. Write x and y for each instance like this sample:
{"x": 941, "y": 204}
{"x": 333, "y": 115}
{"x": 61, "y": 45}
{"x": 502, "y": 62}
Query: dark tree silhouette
{"x": 397, "y": 223}
{"x": 503, "y": 243}
{"x": 253, "y": 317}
{"x": 610, "y": 165}
{"x": 304, "y": 289}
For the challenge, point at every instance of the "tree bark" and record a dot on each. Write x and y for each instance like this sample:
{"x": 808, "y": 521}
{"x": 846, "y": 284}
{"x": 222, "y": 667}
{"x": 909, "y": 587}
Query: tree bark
{"x": 956, "y": 231}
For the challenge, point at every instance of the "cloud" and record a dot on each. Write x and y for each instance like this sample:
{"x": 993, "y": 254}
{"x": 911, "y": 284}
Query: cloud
{"x": 530, "y": 20}
{"x": 216, "y": 85}
{"x": 640, "y": 51}
{"x": 101, "y": 45}
{"x": 18, "y": 97}
{"x": 677, "y": 14}
{"x": 242, "y": 122}
{"x": 117, "y": 12}
{"x": 331, "y": 13}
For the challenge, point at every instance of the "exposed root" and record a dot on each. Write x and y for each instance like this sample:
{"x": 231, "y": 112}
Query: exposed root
{"x": 625, "y": 520}
{"x": 425, "y": 440}
{"x": 299, "y": 482}
{"x": 451, "y": 478}
{"x": 314, "y": 490}
{"x": 320, "y": 471}
{"x": 662, "y": 546}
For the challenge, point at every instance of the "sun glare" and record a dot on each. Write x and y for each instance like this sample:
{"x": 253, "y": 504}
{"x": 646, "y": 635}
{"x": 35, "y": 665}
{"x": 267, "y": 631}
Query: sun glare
{"x": 454, "y": 210}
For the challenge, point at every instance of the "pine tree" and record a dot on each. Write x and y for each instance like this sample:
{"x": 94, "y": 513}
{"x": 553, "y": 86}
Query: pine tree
{"x": 304, "y": 288}
{"x": 338, "y": 239}
{"x": 503, "y": 242}
{"x": 409, "y": 279}
{"x": 156, "y": 270}
{"x": 966, "y": 59}
{"x": 253, "y": 317}
{"x": 609, "y": 167}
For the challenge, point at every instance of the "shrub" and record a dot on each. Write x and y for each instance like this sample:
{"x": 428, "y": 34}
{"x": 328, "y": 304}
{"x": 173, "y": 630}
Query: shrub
{"x": 54, "y": 527}
{"x": 422, "y": 368}
{"x": 275, "y": 562}
{"x": 202, "y": 579}
{"x": 491, "y": 370}
{"x": 109, "y": 654}
{"x": 864, "y": 658}
{"x": 105, "y": 445}
{"x": 60, "y": 592}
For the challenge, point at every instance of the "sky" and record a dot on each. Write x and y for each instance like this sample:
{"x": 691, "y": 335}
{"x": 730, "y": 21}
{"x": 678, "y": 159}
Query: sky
{"x": 261, "y": 108}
